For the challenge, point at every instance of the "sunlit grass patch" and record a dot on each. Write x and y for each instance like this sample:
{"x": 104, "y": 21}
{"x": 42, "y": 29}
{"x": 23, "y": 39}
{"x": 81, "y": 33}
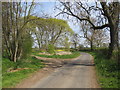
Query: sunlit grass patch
{"x": 73, "y": 55}
{"x": 10, "y": 78}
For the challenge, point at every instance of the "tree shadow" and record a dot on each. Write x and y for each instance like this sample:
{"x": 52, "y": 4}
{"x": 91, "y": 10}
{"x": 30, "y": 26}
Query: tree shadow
{"x": 81, "y": 64}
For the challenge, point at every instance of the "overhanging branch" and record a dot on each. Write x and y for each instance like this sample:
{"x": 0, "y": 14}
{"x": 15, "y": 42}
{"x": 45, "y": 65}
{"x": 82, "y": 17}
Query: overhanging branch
{"x": 101, "y": 27}
{"x": 69, "y": 12}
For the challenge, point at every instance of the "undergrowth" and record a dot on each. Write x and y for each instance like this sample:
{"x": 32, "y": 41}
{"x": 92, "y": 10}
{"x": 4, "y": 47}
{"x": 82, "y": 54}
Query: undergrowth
{"x": 10, "y": 79}
{"x": 108, "y": 70}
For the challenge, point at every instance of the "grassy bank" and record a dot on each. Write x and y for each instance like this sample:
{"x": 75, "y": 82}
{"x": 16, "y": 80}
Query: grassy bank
{"x": 11, "y": 78}
{"x": 73, "y": 55}
{"x": 107, "y": 70}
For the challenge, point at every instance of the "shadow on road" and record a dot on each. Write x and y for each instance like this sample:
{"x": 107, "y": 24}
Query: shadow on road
{"x": 82, "y": 64}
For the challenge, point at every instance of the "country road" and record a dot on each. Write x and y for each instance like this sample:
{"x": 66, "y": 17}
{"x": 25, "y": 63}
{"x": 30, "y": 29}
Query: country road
{"x": 79, "y": 73}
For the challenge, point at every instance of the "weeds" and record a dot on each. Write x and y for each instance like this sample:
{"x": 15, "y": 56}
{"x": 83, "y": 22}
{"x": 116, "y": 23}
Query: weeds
{"x": 10, "y": 79}
{"x": 107, "y": 70}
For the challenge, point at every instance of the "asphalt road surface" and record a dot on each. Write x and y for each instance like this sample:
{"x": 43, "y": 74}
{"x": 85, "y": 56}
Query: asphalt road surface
{"x": 79, "y": 73}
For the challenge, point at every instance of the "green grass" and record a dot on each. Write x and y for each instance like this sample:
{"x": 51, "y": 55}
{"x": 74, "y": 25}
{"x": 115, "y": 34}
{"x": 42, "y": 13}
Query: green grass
{"x": 6, "y": 64}
{"x": 107, "y": 70}
{"x": 73, "y": 55}
{"x": 10, "y": 79}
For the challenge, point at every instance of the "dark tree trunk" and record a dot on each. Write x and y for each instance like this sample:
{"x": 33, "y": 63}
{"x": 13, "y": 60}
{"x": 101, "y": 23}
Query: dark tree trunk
{"x": 75, "y": 46}
{"x": 91, "y": 45}
{"x": 114, "y": 45}
{"x": 112, "y": 42}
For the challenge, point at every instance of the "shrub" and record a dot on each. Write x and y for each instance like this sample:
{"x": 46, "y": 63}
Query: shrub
{"x": 27, "y": 46}
{"x": 51, "y": 49}
{"x": 7, "y": 64}
{"x": 107, "y": 69}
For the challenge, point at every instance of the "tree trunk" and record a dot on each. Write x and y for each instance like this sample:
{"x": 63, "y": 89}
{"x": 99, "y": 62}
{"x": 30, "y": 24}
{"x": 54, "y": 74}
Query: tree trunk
{"x": 15, "y": 53}
{"x": 113, "y": 41}
{"x": 75, "y": 46}
{"x": 91, "y": 45}
{"x": 39, "y": 44}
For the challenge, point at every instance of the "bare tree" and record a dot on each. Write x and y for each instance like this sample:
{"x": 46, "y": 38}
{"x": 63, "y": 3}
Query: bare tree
{"x": 15, "y": 16}
{"x": 106, "y": 14}
{"x": 95, "y": 38}
{"x": 75, "y": 39}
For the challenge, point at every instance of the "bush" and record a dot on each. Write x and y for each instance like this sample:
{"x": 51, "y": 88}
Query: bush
{"x": 102, "y": 52}
{"x": 116, "y": 56}
{"x": 27, "y": 46}
{"x": 107, "y": 70}
{"x": 51, "y": 49}
{"x": 6, "y": 65}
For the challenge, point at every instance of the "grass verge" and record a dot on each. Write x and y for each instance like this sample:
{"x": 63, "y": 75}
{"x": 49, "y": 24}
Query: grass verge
{"x": 107, "y": 70}
{"x": 73, "y": 55}
{"x": 11, "y": 79}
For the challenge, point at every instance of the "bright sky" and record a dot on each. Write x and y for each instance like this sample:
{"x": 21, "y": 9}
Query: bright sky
{"x": 48, "y": 8}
